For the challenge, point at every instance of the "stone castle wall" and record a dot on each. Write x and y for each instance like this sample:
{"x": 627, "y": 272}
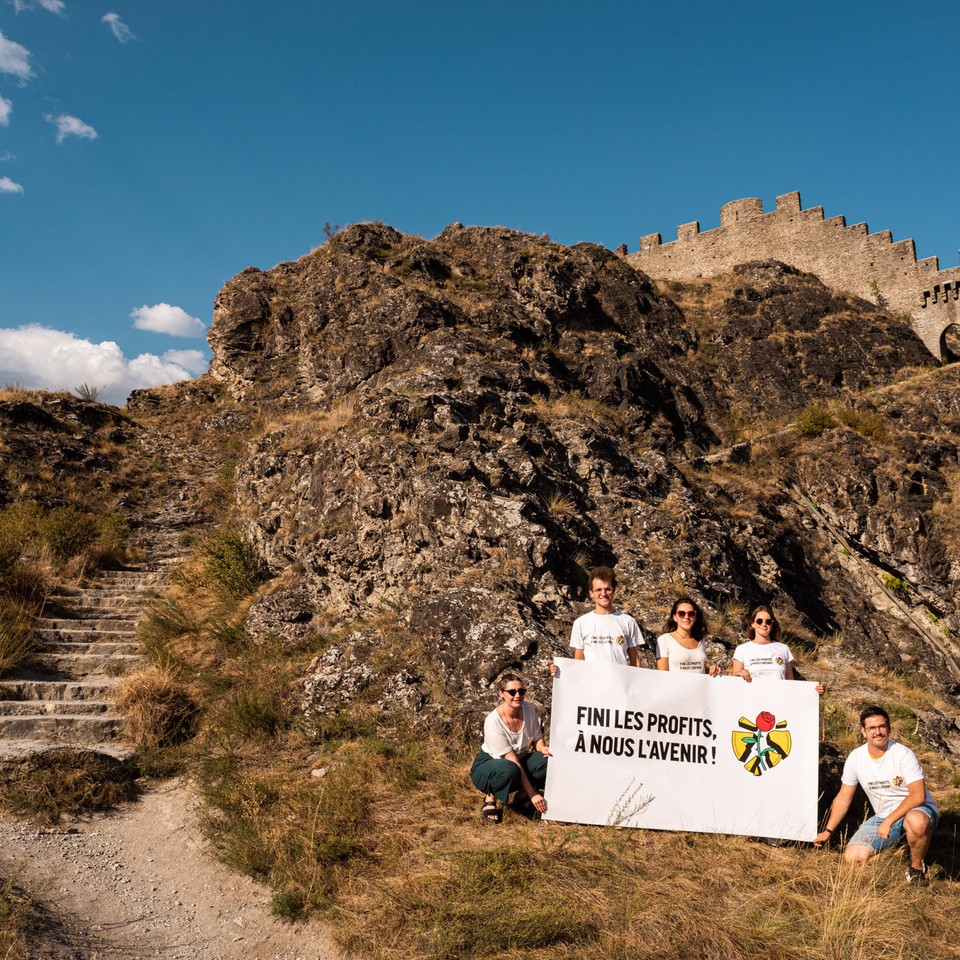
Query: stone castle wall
{"x": 847, "y": 258}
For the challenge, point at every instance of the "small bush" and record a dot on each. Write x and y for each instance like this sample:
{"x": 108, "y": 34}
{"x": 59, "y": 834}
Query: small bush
{"x": 18, "y": 643}
{"x": 231, "y": 564}
{"x": 62, "y": 782}
{"x": 288, "y": 905}
{"x": 87, "y": 392}
{"x": 160, "y": 712}
{"x": 814, "y": 420}
{"x": 68, "y": 531}
{"x": 895, "y": 584}
{"x": 868, "y": 424}
{"x": 254, "y": 713}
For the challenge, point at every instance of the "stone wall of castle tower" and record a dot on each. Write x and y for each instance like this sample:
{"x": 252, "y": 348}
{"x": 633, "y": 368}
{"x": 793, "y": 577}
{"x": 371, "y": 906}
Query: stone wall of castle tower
{"x": 848, "y": 258}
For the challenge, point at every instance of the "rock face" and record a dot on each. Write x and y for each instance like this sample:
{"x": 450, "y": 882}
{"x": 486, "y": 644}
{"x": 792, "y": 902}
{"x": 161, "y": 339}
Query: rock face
{"x": 457, "y": 428}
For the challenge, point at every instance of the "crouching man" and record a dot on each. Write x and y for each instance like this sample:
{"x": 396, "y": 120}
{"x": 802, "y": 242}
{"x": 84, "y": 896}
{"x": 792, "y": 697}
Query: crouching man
{"x": 892, "y": 778}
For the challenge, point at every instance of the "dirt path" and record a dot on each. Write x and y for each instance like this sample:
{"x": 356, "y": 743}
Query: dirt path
{"x": 141, "y": 883}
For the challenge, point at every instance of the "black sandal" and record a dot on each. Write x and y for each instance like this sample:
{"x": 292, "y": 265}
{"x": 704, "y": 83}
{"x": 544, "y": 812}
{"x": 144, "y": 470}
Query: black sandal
{"x": 490, "y": 812}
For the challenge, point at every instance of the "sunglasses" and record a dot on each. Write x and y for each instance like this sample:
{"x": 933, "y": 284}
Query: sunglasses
{"x": 519, "y": 692}
{"x": 686, "y": 613}
{"x": 762, "y": 621}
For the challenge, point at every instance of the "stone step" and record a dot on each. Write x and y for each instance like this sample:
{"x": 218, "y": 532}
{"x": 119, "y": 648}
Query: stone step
{"x": 131, "y": 576}
{"x": 94, "y": 602}
{"x": 76, "y": 666}
{"x": 69, "y": 691}
{"x": 79, "y": 633}
{"x": 106, "y": 647}
{"x": 16, "y": 749}
{"x": 65, "y": 726}
{"x": 39, "y": 708}
{"x": 101, "y": 625}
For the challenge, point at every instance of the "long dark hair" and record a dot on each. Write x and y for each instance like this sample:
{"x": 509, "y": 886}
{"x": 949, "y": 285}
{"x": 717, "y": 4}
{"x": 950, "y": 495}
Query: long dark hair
{"x": 698, "y": 629}
{"x": 774, "y": 627}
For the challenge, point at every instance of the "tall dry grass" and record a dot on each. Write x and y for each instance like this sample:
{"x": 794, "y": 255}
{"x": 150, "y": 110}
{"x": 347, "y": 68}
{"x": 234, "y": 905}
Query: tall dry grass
{"x": 15, "y": 913}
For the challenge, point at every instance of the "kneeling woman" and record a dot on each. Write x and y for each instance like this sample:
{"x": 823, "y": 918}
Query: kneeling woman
{"x": 514, "y": 753}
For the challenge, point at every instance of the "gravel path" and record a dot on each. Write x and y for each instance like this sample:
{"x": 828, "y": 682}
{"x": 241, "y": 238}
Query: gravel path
{"x": 141, "y": 882}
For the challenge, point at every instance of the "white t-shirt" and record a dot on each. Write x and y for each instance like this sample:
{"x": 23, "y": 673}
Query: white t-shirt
{"x": 499, "y": 739}
{"x": 884, "y": 779}
{"x": 765, "y": 661}
{"x": 693, "y": 661}
{"x": 606, "y": 637}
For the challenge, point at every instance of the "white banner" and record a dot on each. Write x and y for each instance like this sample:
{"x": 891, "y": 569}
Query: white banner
{"x": 681, "y": 751}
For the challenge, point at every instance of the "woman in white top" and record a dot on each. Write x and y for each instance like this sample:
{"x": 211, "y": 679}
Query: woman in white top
{"x": 764, "y": 656}
{"x": 681, "y": 646}
{"x": 513, "y": 756}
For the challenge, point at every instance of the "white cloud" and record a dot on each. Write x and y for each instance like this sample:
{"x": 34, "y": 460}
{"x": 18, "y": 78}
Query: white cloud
{"x": 14, "y": 59}
{"x": 192, "y": 360}
{"x": 6, "y": 108}
{"x": 120, "y": 30}
{"x": 8, "y": 186}
{"x": 54, "y": 6}
{"x": 68, "y": 126}
{"x": 42, "y": 359}
{"x": 164, "y": 318}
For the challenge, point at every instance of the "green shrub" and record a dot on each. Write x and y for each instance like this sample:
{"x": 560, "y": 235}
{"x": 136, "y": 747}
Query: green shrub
{"x": 254, "y": 713}
{"x": 18, "y": 643}
{"x": 868, "y": 424}
{"x": 68, "y": 531}
{"x": 230, "y": 563}
{"x": 894, "y": 584}
{"x": 812, "y": 421}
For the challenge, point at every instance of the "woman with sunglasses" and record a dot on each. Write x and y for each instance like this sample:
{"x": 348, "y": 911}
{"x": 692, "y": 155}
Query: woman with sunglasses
{"x": 764, "y": 656}
{"x": 681, "y": 646}
{"x": 513, "y": 756}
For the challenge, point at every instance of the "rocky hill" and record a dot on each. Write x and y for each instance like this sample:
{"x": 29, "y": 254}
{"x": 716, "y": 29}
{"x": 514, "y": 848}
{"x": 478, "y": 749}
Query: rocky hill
{"x": 449, "y": 432}
{"x": 431, "y": 441}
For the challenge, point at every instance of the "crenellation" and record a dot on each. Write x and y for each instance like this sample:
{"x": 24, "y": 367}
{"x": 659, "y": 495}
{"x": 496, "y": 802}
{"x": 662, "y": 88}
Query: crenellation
{"x": 870, "y": 265}
{"x": 741, "y": 211}
{"x": 788, "y": 202}
{"x": 904, "y": 249}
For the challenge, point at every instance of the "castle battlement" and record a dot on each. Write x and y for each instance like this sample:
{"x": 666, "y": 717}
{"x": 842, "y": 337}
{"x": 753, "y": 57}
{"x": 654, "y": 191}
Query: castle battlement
{"x": 846, "y": 257}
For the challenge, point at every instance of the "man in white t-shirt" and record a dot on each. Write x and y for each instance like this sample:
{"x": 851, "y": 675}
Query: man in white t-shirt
{"x": 892, "y": 779}
{"x": 606, "y": 634}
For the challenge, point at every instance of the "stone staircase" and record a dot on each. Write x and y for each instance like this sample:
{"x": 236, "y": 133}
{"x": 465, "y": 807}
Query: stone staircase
{"x": 64, "y": 699}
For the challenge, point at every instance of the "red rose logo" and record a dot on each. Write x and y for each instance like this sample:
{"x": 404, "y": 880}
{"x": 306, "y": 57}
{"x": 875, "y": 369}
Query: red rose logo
{"x": 766, "y": 721}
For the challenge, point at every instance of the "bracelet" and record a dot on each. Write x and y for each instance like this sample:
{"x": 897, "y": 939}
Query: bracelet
{"x": 827, "y": 830}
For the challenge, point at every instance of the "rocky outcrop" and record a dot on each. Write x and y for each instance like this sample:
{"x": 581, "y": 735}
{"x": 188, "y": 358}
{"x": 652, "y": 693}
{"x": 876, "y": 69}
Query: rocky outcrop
{"x": 459, "y": 427}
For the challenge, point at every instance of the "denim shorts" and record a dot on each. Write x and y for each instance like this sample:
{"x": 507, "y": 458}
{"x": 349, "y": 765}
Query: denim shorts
{"x": 867, "y": 836}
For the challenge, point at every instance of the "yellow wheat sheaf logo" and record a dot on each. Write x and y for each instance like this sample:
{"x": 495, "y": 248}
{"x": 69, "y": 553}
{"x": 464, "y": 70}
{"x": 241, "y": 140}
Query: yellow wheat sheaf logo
{"x": 766, "y": 743}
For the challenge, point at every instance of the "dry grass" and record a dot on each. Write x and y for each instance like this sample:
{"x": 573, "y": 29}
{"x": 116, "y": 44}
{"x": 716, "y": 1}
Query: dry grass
{"x": 160, "y": 710}
{"x": 15, "y": 913}
{"x": 559, "y": 505}
{"x": 389, "y": 845}
{"x": 946, "y": 513}
{"x": 61, "y": 782}
{"x": 574, "y": 406}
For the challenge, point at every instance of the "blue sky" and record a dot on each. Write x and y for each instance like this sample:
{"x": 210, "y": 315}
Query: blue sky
{"x": 150, "y": 151}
